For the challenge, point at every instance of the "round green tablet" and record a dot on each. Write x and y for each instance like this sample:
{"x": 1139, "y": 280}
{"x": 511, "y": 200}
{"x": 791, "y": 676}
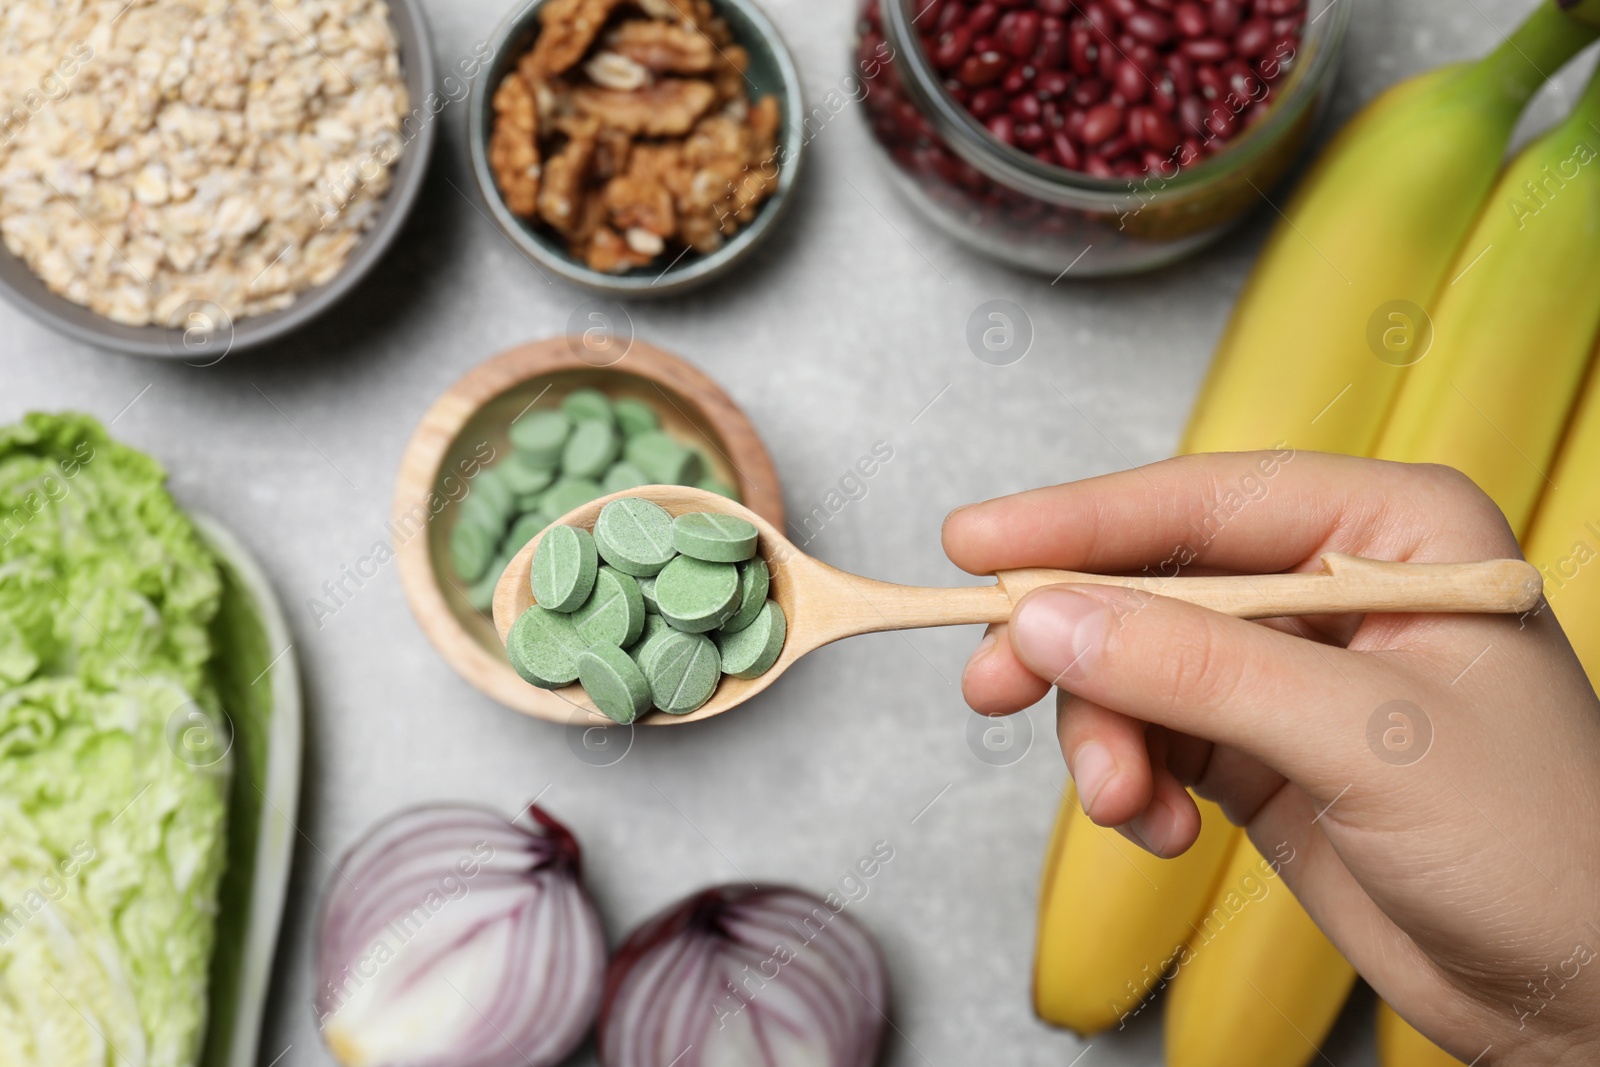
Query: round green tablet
{"x": 591, "y": 449}
{"x": 714, "y": 538}
{"x": 568, "y": 493}
{"x": 752, "y": 651}
{"x": 471, "y": 548}
{"x": 647, "y": 589}
{"x": 614, "y": 612}
{"x": 489, "y": 501}
{"x": 614, "y": 682}
{"x": 635, "y": 416}
{"x": 696, "y": 596}
{"x": 622, "y": 477}
{"x": 663, "y": 460}
{"x": 525, "y": 529}
{"x": 711, "y": 485}
{"x": 522, "y": 476}
{"x": 654, "y": 626}
{"x": 564, "y": 566}
{"x": 582, "y": 405}
{"x": 683, "y": 671}
{"x": 539, "y": 435}
{"x": 754, "y": 581}
{"x": 543, "y": 647}
{"x": 530, "y": 502}
{"x": 634, "y": 536}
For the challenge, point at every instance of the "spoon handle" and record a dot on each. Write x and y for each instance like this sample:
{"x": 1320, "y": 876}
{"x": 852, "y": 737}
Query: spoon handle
{"x": 1345, "y": 584}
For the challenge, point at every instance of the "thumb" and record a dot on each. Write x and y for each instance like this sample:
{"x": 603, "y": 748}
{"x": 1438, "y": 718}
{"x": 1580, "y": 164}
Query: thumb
{"x": 1297, "y": 705}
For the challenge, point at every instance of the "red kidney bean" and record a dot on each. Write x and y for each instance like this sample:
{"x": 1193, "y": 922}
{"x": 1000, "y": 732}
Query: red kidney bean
{"x": 1190, "y": 19}
{"x": 1050, "y": 115}
{"x": 1182, "y": 71}
{"x": 1056, "y": 7}
{"x": 1088, "y": 92}
{"x": 1253, "y": 38}
{"x": 1016, "y": 80}
{"x": 951, "y": 48}
{"x": 1226, "y": 16}
{"x": 1031, "y": 136}
{"x": 1212, "y": 84}
{"x": 1149, "y": 26}
{"x": 982, "y": 69}
{"x": 1101, "y": 19}
{"x": 1025, "y": 108}
{"x": 1157, "y": 130}
{"x": 1156, "y": 163}
{"x": 1053, "y": 45}
{"x": 1206, "y": 49}
{"x": 1192, "y": 115}
{"x": 1161, "y": 5}
{"x": 1110, "y": 59}
{"x": 1162, "y": 96}
{"x": 1067, "y": 151}
{"x": 983, "y": 18}
{"x": 1097, "y": 167}
{"x": 985, "y": 44}
{"x": 987, "y": 102}
{"x": 1115, "y": 147}
{"x": 949, "y": 17}
{"x": 1124, "y": 9}
{"x": 1051, "y": 84}
{"x": 1145, "y": 58}
{"x": 1102, "y": 121}
{"x": 1002, "y": 129}
{"x": 1241, "y": 79}
{"x": 1023, "y": 37}
{"x": 1130, "y": 82}
{"x": 1279, "y": 7}
{"x": 1083, "y": 52}
{"x": 1221, "y": 123}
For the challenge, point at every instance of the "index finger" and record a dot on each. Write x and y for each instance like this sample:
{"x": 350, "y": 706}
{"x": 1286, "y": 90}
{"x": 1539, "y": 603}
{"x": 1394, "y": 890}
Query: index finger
{"x": 1238, "y": 511}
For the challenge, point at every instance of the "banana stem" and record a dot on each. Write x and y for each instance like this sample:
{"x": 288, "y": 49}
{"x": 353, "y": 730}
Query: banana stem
{"x": 1534, "y": 51}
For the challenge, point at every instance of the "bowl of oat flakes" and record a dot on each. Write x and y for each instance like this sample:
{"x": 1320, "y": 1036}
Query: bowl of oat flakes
{"x": 637, "y": 147}
{"x": 189, "y": 178}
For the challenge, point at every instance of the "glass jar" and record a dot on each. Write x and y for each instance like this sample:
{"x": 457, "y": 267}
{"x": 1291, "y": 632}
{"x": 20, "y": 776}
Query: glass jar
{"x": 1009, "y": 205}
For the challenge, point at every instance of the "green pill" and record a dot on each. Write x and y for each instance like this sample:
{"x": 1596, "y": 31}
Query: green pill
{"x": 654, "y": 625}
{"x": 647, "y": 589}
{"x": 564, "y": 568}
{"x": 752, "y": 651}
{"x": 635, "y": 416}
{"x": 634, "y": 536}
{"x": 614, "y": 612}
{"x": 714, "y": 538}
{"x": 543, "y": 647}
{"x": 614, "y": 682}
{"x": 471, "y": 548}
{"x": 663, "y": 460}
{"x": 530, "y": 502}
{"x": 540, "y": 435}
{"x": 523, "y": 477}
{"x": 525, "y": 529}
{"x": 696, "y": 596}
{"x": 481, "y": 594}
{"x": 567, "y": 494}
{"x": 591, "y": 449}
{"x": 587, "y": 405}
{"x": 683, "y": 672}
{"x": 622, "y": 477}
{"x": 711, "y": 485}
{"x": 754, "y": 581}
{"x": 489, "y": 501}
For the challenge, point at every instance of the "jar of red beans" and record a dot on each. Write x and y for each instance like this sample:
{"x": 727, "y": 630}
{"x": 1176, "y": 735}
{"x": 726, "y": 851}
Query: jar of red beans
{"x": 1100, "y": 136}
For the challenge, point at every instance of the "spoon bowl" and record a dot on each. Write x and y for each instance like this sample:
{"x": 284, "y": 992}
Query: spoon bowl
{"x": 824, "y": 604}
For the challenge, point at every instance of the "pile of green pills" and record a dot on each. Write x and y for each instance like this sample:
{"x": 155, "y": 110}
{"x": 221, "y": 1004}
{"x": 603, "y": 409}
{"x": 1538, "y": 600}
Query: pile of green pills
{"x": 648, "y": 610}
{"x": 562, "y": 458}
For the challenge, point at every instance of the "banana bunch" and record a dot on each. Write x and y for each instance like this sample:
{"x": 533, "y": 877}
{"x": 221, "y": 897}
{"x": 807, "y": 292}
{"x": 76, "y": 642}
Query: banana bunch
{"x": 1400, "y": 205}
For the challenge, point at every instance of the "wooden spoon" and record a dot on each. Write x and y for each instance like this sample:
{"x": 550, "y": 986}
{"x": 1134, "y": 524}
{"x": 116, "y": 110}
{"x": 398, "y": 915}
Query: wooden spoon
{"x": 824, "y": 604}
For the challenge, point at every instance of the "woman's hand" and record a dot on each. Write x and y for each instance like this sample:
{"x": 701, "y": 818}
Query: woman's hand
{"x": 1437, "y": 776}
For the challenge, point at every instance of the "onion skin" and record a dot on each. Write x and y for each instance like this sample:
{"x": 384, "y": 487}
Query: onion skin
{"x": 453, "y": 937}
{"x": 737, "y": 976}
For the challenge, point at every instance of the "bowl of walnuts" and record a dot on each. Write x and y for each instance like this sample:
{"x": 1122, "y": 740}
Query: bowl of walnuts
{"x": 637, "y": 147}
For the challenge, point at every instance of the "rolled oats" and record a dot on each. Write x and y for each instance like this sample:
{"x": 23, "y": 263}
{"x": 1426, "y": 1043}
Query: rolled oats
{"x": 159, "y": 152}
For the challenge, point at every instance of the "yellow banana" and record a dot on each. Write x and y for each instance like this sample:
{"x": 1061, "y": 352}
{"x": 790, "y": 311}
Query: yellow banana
{"x": 1112, "y": 917}
{"x": 1371, "y": 230}
{"x": 1564, "y": 542}
{"x": 1259, "y": 984}
{"x": 1400, "y": 1045}
{"x": 1513, "y": 330}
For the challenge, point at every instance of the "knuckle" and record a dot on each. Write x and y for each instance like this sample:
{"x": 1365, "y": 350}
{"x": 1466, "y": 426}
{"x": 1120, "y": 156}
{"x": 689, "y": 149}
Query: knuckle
{"x": 1200, "y": 671}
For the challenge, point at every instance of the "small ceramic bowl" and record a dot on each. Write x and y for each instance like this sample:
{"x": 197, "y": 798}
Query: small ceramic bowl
{"x": 469, "y": 424}
{"x": 772, "y": 73}
{"x": 213, "y": 334}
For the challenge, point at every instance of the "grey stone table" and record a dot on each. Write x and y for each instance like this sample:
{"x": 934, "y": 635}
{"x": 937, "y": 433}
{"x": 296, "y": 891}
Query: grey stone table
{"x": 848, "y": 331}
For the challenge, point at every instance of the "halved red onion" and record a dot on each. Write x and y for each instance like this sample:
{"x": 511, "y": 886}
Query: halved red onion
{"x": 746, "y": 977}
{"x": 453, "y": 937}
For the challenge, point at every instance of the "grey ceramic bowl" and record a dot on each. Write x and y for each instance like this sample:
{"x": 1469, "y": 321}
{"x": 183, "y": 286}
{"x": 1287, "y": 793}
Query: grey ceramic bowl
{"x": 772, "y": 71}
{"x": 24, "y": 289}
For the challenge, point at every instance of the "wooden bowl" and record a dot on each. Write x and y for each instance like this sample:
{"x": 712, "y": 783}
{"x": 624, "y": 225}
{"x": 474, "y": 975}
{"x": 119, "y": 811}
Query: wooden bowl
{"x": 468, "y": 426}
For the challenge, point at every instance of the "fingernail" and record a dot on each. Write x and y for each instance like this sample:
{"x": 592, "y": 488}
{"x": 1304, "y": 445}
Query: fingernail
{"x": 1153, "y": 825}
{"x": 985, "y": 647}
{"x": 1092, "y": 768}
{"x": 1058, "y": 633}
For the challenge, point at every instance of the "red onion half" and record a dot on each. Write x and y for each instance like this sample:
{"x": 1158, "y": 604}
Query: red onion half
{"x": 746, "y": 977}
{"x": 452, "y": 937}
